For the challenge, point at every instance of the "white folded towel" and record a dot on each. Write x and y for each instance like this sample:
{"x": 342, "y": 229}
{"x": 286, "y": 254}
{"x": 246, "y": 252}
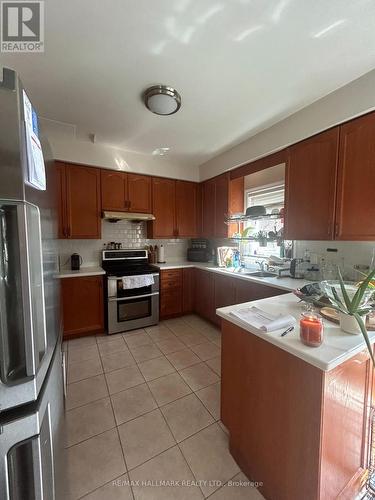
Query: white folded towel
{"x": 138, "y": 281}
{"x": 263, "y": 320}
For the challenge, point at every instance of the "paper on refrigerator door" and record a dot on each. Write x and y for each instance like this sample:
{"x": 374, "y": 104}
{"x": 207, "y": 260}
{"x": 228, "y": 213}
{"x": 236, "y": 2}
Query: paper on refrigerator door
{"x": 35, "y": 161}
{"x": 263, "y": 320}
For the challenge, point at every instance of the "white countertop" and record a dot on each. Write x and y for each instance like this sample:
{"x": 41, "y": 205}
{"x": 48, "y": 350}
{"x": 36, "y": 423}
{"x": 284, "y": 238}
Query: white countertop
{"x": 84, "y": 271}
{"x": 337, "y": 347}
{"x": 284, "y": 283}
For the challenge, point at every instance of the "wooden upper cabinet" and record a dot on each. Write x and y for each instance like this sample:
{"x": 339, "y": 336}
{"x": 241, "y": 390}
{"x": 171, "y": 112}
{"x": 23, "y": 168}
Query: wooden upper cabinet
{"x": 311, "y": 187}
{"x": 139, "y": 193}
{"x": 220, "y": 198}
{"x": 186, "y": 209}
{"x": 163, "y": 208}
{"x": 221, "y": 205}
{"x": 61, "y": 195}
{"x": 83, "y": 202}
{"x": 114, "y": 189}
{"x": 208, "y": 208}
{"x": 355, "y": 216}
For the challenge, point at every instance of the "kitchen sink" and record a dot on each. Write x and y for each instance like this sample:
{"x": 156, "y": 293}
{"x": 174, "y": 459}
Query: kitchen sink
{"x": 262, "y": 274}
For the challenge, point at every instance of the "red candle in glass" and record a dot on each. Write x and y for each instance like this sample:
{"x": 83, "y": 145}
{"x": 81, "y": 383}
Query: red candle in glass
{"x": 311, "y": 329}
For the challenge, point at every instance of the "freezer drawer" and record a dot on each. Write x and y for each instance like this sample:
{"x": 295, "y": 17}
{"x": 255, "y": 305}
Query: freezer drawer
{"x": 32, "y": 463}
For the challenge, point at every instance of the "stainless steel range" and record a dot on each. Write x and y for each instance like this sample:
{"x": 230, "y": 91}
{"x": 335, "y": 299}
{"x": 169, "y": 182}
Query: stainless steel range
{"x": 132, "y": 290}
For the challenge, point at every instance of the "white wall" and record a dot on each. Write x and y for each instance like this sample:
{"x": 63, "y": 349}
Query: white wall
{"x": 354, "y": 99}
{"x": 66, "y": 147}
{"x": 266, "y": 176}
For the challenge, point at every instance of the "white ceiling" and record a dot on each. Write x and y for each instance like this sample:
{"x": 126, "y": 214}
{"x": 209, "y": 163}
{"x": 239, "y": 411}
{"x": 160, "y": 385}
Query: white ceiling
{"x": 239, "y": 65}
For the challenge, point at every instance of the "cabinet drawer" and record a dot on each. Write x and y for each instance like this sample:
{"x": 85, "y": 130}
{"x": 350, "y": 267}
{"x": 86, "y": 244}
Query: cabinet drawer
{"x": 171, "y": 284}
{"x": 169, "y": 274}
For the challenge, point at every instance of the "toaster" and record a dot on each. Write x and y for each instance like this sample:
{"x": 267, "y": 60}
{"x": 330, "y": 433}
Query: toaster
{"x": 198, "y": 254}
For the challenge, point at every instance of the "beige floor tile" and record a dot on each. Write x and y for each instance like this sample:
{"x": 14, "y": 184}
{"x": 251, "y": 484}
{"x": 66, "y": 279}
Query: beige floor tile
{"x": 94, "y": 462}
{"x": 205, "y": 351}
{"x": 183, "y": 359}
{"x": 211, "y": 334}
{"x": 169, "y": 465}
{"x": 182, "y": 329}
{"x": 116, "y": 345}
{"x": 145, "y": 352}
{"x": 137, "y": 339}
{"x": 217, "y": 342}
{"x": 161, "y": 335}
{"x": 199, "y": 376}
{"x": 193, "y": 338}
{"x": 208, "y": 456}
{"x": 86, "y": 391}
{"x": 215, "y": 365}
{"x": 168, "y": 388}
{"x": 144, "y": 438}
{"x": 124, "y": 378}
{"x": 156, "y": 328}
{"x": 186, "y": 416}
{"x": 223, "y": 428}
{"x": 83, "y": 353}
{"x": 117, "y": 360}
{"x": 238, "y": 488}
{"x": 88, "y": 421}
{"x": 104, "y": 337}
{"x": 155, "y": 368}
{"x": 64, "y": 346}
{"x": 132, "y": 403}
{"x": 81, "y": 342}
{"x": 84, "y": 369}
{"x": 170, "y": 345}
{"x": 210, "y": 397}
{"x": 117, "y": 489}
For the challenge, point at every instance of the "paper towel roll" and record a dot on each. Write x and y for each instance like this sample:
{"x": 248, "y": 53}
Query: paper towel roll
{"x": 161, "y": 257}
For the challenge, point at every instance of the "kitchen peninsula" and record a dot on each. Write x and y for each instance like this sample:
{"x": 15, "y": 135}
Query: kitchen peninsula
{"x": 297, "y": 416}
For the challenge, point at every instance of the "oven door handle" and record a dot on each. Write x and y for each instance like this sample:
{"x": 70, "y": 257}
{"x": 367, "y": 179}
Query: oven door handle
{"x": 116, "y": 278}
{"x": 118, "y": 299}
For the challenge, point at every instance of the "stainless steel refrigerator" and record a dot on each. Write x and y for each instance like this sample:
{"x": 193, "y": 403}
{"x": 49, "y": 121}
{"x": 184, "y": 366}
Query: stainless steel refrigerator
{"x": 31, "y": 358}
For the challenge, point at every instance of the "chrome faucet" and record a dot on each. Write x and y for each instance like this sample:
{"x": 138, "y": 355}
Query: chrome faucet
{"x": 262, "y": 264}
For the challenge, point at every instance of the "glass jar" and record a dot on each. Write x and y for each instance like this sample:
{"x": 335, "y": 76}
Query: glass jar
{"x": 311, "y": 329}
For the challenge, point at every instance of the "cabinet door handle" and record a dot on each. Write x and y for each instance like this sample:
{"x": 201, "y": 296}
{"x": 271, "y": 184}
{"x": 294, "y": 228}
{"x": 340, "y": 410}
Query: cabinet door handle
{"x": 68, "y": 231}
{"x": 337, "y": 229}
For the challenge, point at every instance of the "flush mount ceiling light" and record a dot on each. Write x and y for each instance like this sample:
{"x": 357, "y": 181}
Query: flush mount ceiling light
{"x": 162, "y": 100}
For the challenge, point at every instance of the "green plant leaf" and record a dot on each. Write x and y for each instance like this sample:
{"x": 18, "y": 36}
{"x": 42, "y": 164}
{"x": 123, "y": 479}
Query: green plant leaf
{"x": 338, "y": 300}
{"x": 357, "y": 299}
{"x": 347, "y": 301}
{"x": 365, "y": 335}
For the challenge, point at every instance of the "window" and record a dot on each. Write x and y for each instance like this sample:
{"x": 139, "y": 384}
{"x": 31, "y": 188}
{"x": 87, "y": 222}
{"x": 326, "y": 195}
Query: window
{"x": 272, "y": 198}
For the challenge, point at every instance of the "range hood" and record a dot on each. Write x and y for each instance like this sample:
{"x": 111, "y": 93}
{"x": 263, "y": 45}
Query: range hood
{"x": 133, "y": 216}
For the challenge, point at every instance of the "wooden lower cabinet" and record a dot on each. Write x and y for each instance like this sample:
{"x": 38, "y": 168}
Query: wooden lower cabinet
{"x": 82, "y": 305}
{"x": 188, "y": 278}
{"x": 170, "y": 293}
{"x": 204, "y": 303}
{"x": 225, "y": 293}
{"x": 299, "y": 430}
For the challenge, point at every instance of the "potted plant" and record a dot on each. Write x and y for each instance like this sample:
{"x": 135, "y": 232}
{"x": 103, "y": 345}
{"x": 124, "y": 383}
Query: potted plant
{"x": 352, "y": 307}
{"x": 262, "y": 238}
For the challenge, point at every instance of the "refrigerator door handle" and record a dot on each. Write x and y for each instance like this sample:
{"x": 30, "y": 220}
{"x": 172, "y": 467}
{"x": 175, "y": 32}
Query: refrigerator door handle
{"x": 30, "y": 355}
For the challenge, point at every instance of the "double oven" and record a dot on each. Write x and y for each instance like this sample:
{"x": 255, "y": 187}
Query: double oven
{"x": 129, "y": 308}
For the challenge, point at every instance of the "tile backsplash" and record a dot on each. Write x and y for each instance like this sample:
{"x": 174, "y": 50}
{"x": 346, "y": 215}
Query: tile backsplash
{"x": 131, "y": 235}
{"x": 349, "y": 253}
